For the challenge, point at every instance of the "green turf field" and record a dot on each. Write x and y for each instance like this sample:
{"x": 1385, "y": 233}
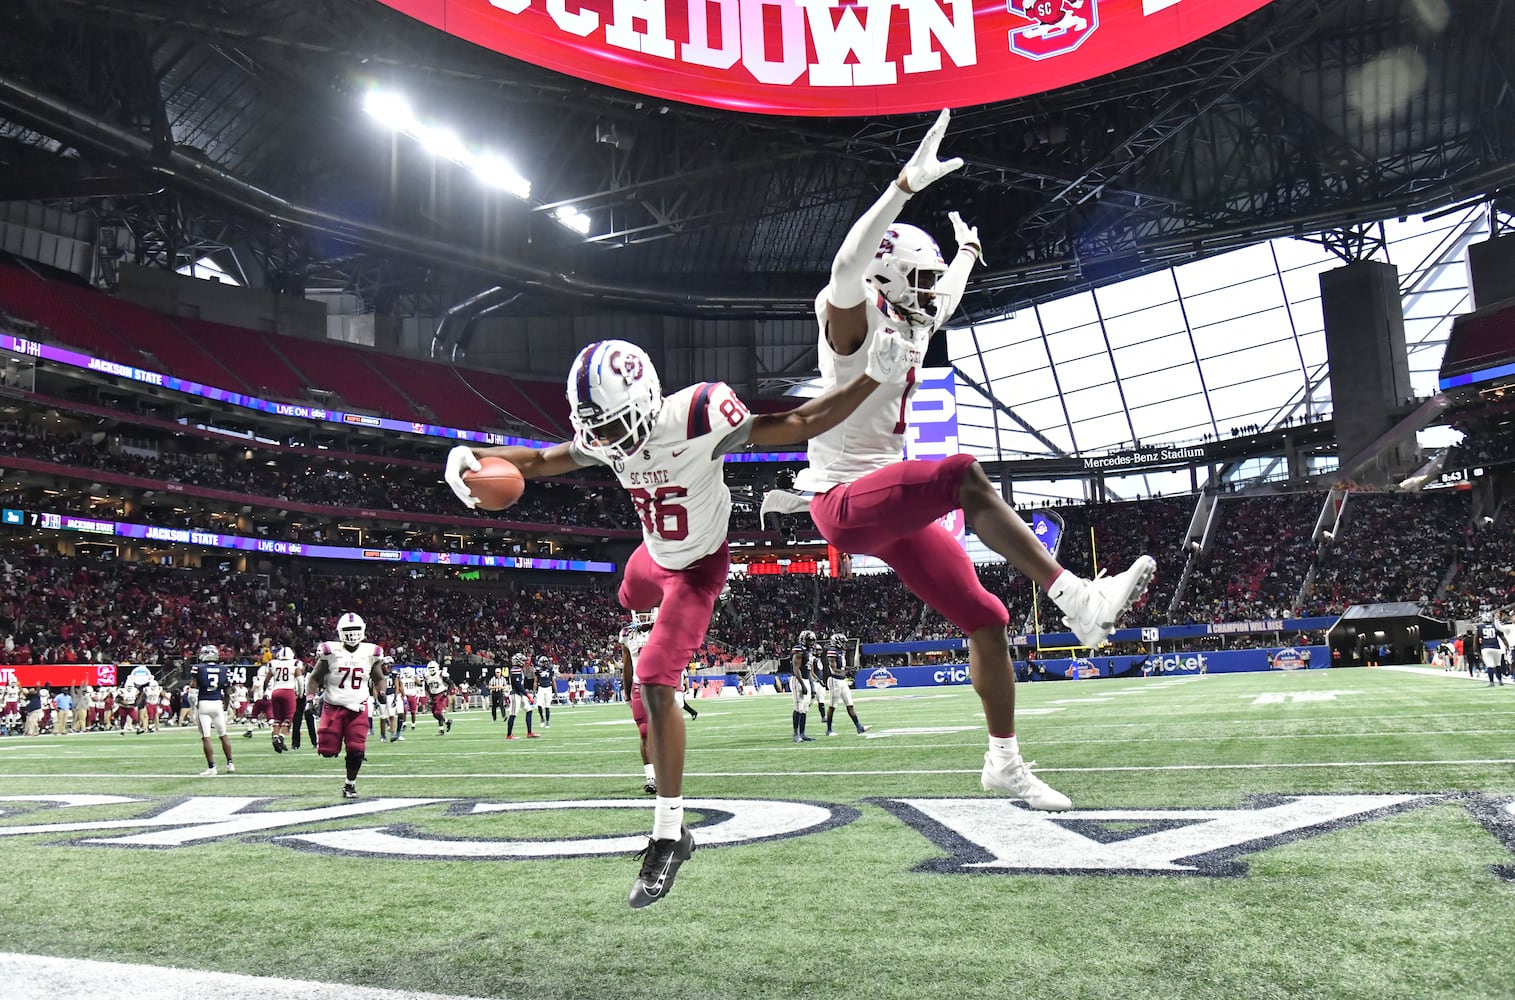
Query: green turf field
{"x": 1313, "y": 834}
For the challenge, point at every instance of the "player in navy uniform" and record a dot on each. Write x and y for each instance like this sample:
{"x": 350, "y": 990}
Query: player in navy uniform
{"x": 210, "y": 708}
{"x": 631, "y": 640}
{"x": 1492, "y": 647}
{"x": 519, "y": 694}
{"x": 802, "y": 687}
{"x": 547, "y": 689}
{"x": 839, "y": 688}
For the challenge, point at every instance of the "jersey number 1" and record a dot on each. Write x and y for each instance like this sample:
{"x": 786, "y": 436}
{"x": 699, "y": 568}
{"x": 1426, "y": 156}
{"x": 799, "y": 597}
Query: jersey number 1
{"x": 899, "y": 427}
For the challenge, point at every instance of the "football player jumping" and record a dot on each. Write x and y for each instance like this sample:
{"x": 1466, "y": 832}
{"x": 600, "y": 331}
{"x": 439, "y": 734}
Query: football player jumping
{"x": 668, "y": 453}
{"x": 864, "y": 499}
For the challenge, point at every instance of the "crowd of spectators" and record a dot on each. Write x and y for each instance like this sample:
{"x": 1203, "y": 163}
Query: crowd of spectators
{"x": 1483, "y": 443}
{"x": 1485, "y": 577}
{"x": 1390, "y": 547}
{"x": 1260, "y": 550}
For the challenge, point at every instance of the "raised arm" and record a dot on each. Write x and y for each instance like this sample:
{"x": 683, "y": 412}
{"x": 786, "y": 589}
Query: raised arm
{"x": 846, "y": 319}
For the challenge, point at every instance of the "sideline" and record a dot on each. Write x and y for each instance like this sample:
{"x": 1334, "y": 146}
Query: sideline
{"x": 68, "y": 978}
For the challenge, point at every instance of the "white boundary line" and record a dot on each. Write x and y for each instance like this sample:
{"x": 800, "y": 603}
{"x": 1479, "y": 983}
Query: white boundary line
{"x": 229, "y": 780}
{"x": 70, "y": 978}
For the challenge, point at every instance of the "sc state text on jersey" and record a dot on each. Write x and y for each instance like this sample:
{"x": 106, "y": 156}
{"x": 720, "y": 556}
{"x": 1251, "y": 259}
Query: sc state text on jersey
{"x": 649, "y": 478}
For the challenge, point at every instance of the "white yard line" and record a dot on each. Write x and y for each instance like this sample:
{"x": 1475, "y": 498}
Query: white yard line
{"x": 69, "y": 978}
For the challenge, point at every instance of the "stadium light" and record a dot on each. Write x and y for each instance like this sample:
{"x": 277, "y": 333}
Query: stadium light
{"x": 389, "y": 109}
{"x": 493, "y": 170}
{"x": 497, "y": 173}
{"x": 573, "y": 219}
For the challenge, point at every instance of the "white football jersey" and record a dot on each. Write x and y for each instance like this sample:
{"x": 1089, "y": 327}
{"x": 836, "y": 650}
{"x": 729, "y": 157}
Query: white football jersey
{"x": 408, "y": 685}
{"x": 436, "y": 680}
{"x": 154, "y": 691}
{"x": 873, "y": 435}
{"x": 347, "y": 673}
{"x": 283, "y": 674}
{"x": 12, "y": 692}
{"x": 677, "y": 478}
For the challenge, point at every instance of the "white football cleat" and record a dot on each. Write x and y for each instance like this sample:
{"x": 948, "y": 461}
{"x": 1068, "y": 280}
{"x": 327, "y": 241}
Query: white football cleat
{"x": 209, "y": 772}
{"x": 1015, "y": 779}
{"x": 1093, "y": 607}
{"x": 231, "y": 768}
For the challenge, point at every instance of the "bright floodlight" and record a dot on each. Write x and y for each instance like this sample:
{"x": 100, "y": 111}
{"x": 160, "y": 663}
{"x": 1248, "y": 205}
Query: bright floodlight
{"x": 573, "y": 219}
{"x": 390, "y": 109}
{"x": 496, "y": 173}
{"x": 441, "y": 142}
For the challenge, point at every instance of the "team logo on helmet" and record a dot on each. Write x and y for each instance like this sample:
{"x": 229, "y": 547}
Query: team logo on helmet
{"x": 1057, "y": 26}
{"x": 626, "y": 365}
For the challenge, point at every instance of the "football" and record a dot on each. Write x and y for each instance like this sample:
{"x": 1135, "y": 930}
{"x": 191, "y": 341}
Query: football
{"x": 498, "y": 484}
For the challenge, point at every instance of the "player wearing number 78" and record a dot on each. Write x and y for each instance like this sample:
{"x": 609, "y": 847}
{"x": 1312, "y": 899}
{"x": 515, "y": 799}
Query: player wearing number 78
{"x": 668, "y": 454}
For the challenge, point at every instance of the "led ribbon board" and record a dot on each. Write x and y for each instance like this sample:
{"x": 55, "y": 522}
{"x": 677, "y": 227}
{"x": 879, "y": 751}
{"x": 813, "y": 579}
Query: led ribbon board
{"x": 823, "y": 57}
{"x": 49, "y": 521}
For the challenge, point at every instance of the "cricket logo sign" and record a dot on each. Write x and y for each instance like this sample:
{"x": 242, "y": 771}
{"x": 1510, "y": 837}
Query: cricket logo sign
{"x": 1057, "y": 26}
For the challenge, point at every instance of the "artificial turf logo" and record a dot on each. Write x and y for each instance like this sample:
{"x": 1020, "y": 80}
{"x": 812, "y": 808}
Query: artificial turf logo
{"x": 204, "y": 819}
{"x": 978, "y": 835}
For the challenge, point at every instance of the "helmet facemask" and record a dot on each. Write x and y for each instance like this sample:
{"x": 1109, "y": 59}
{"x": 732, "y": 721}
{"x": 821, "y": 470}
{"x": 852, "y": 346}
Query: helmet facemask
{"x": 351, "y": 629}
{"x": 905, "y": 271}
{"x": 614, "y": 397}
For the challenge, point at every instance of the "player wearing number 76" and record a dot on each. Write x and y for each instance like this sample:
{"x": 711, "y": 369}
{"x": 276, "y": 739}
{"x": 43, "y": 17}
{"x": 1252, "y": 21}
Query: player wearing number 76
{"x": 668, "y": 454}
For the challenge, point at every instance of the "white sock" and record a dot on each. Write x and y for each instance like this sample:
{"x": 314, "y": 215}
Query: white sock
{"x": 1064, "y": 588}
{"x": 1003, "y": 751}
{"x": 678, "y": 699}
{"x": 667, "y": 817}
{"x": 647, "y": 771}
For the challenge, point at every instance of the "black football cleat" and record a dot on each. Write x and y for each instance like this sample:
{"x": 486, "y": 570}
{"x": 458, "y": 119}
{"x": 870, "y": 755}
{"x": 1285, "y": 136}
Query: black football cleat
{"x": 660, "y": 863}
{"x": 349, "y": 789}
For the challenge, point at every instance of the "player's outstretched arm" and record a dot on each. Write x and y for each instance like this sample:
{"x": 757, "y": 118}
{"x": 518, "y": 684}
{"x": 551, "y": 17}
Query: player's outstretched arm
{"x": 533, "y": 463}
{"x": 949, "y": 288}
{"x": 891, "y": 361}
{"x": 846, "y": 321}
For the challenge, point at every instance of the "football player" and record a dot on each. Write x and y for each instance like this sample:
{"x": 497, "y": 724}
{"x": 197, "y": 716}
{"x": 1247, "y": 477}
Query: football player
{"x": 891, "y": 277}
{"x": 669, "y": 454}
{"x": 519, "y": 681}
{"x": 631, "y": 640}
{"x": 258, "y": 712}
{"x": 435, "y": 679}
{"x": 1493, "y": 646}
{"x": 152, "y": 703}
{"x": 838, "y": 685}
{"x": 547, "y": 688}
{"x": 210, "y": 707}
{"x": 10, "y": 704}
{"x": 285, "y": 672}
{"x": 344, "y": 672}
{"x": 801, "y": 663}
{"x": 410, "y": 693}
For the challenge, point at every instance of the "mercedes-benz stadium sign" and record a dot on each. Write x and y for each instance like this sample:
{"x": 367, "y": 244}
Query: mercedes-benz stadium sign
{"x": 831, "y": 57}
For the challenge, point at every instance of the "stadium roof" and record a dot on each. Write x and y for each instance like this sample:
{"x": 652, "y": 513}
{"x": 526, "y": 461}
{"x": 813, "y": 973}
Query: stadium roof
{"x": 233, "y": 129}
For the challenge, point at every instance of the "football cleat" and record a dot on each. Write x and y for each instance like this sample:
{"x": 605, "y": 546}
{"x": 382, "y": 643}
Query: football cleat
{"x": 861, "y": 730}
{"x": 1093, "y": 607}
{"x": 449, "y": 725}
{"x": 533, "y": 736}
{"x": 1016, "y": 779}
{"x": 349, "y": 789}
{"x": 651, "y": 787}
{"x": 209, "y": 772}
{"x": 231, "y": 768}
{"x": 660, "y": 863}
{"x": 512, "y": 736}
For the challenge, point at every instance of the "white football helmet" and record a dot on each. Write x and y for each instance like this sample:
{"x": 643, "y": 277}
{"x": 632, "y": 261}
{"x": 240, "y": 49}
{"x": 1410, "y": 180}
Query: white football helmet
{"x": 613, "y": 398}
{"x": 838, "y": 641}
{"x": 432, "y": 666}
{"x": 518, "y": 660}
{"x": 807, "y": 638}
{"x": 351, "y": 629}
{"x": 284, "y": 653}
{"x": 904, "y": 272}
{"x": 210, "y": 653}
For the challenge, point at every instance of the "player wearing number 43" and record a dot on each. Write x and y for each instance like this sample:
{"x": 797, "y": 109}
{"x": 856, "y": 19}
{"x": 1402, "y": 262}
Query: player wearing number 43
{"x": 343, "y": 673}
{"x": 668, "y": 454}
{"x": 889, "y": 277}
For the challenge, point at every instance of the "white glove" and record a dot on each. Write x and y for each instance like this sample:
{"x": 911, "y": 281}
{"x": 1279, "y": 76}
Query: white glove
{"x": 923, "y": 168}
{"x": 891, "y": 357}
{"x": 966, "y": 236}
{"x": 460, "y": 459}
